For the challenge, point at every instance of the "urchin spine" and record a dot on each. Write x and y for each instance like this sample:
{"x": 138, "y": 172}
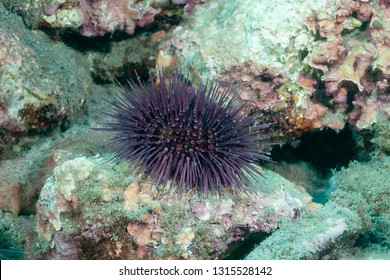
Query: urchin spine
{"x": 194, "y": 137}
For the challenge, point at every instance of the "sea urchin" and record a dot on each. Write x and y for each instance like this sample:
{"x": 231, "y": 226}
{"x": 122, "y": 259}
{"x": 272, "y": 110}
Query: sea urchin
{"x": 186, "y": 136}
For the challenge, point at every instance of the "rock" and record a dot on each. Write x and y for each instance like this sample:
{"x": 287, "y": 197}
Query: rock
{"x": 311, "y": 236}
{"x": 105, "y": 213}
{"x": 10, "y": 193}
{"x": 90, "y": 18}
{"x": 365, "y": 189}
{"x": 14, "y": 231}
{"x": 43, "y": 84}
{"x": 357, "y": 210}
{"x": 259, "y": 47}
{"x": 126, "y": 58}
{"x": 281, "y": 53}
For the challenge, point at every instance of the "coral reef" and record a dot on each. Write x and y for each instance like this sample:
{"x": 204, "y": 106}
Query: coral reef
{"x": 89, "y": 202}
{"x": 33, "y": 94}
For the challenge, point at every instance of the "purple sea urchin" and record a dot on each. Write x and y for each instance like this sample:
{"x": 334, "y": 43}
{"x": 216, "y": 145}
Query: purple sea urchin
{"x": 187, "y": 136}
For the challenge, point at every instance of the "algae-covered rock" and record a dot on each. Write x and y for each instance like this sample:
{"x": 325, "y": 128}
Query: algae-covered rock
{"x": 311, "y": 236}
{"x": 26, "y": 165}
{"x": 382, "y": 134}
{"x": 256, "y": 44}
{"x": 90, "y": 18}
{"x": 13, "y": 235}
{"x": 42, "y": 84}
{"x": 263, "y": 47}
{"x": 365, "y": 189}
{"x": 353, "y": 224}
{"x": 302, "y": 62}
{"x": 266, "y": 35}
{"x": 91, "y": 208}
{"x": 370, "y": 180}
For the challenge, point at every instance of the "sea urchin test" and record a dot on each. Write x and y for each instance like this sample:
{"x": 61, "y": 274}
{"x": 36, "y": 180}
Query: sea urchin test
{"x": 186, "y": 136}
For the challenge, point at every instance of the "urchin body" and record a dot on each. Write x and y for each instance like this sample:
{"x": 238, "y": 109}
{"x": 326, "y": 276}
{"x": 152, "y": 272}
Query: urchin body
{"x": 186, "y": 136}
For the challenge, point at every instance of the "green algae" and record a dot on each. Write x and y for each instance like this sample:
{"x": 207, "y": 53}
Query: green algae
{"x": 382, "y": 134}
{"x": 306, "y": 237}
{"x": 365, "y": 188}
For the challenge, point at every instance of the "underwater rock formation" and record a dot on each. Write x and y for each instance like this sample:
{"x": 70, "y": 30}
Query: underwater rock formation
{"x": 19, "y": 189}
{"x": 126, "y": 58}
{"x": 306, "y": 64}
{"x": 189, "y": 4}
{"x": 13, "y": 234}
{"x": 93, "y": 209}
{"x": 26, "y": 165}
{"x": 312, "y": 236}
{"x": 90, "y": 18}
{"x": 304, "y": 67}
{"x": 96, "y": 18}
{"x": 10, "y": 193}
{"x": 250, "y": 43}
{"x": 382, "y": 135}
{"x": 354, "y": 58}
{"x": 241, "y": 45}
{"x": 34, "y": 95}
{"x": 365, "y": 189}
{"x": 353, "y": 224}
